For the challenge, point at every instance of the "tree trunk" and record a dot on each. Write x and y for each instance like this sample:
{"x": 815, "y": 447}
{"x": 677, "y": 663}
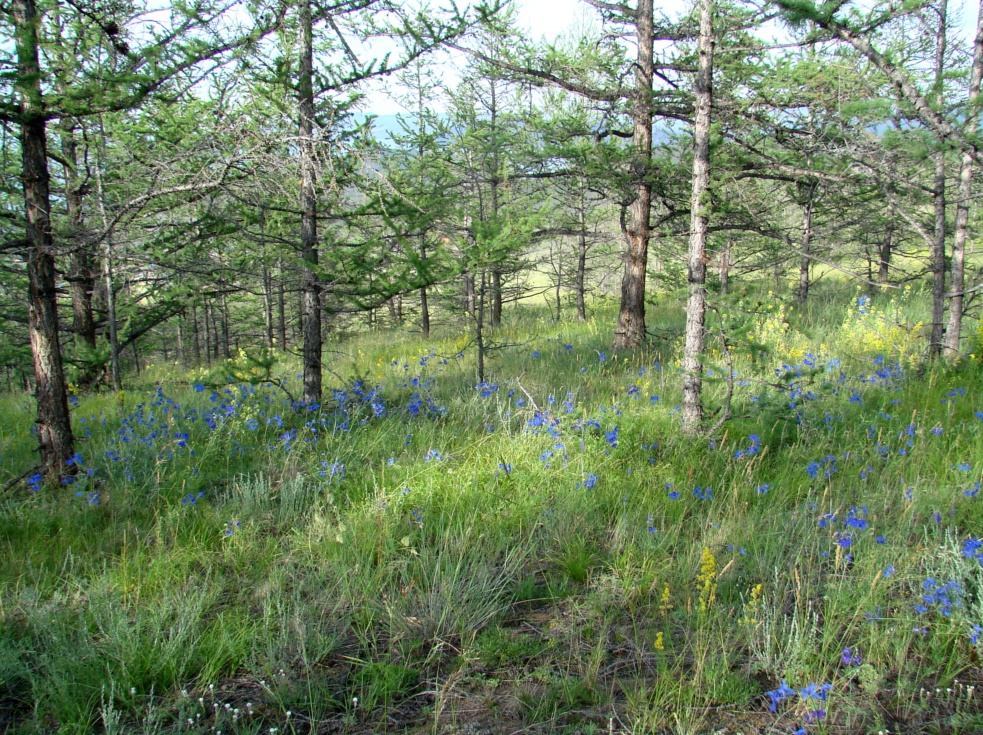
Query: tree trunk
{"x": 208, "y": 332}
{"x": 195, "y": 339}
{"x": 557, "y": 294}
{"x": 267, "y": 308}
{"x": 424, "y": 313}
{"x": 181, "y": 355}
{"x": 958, "y": 267}
{"x": 885, "y": 250}
{"x": 495, "y": 318}
{"x": 937, "y": 255}
{"x": 224, "y": 318}
{"x": 55, "y": 438}
{"x": 725, "y": 256}
{"x": 581, "y": 276}
{"x": 805, "y": 244}
{"x": 308, "y": 213}
{"x": 267, "y": 285}
{"x": 469, "y": 294}
{"x": 281, "y": 310}
{"x": 108, "y": 276}
{"x": 81, "y": 283}
{"x": 630, "y": 331}
{"x": 692, "y": 406}
{"x": 479, "y": 329}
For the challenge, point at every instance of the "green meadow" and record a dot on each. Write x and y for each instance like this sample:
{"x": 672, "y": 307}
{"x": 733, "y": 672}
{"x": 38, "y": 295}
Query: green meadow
{"x": 543, "y": 552}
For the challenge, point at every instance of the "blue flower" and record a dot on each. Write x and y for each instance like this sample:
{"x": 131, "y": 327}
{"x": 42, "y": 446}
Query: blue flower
{"x": 850, "y": 657}
{"x": 703, "y": 493}
{"x": 973, "y": 549}
{"x": 590, "y": 482}
{"x": 784, "y": 691}
{"x": 815, "y": 691}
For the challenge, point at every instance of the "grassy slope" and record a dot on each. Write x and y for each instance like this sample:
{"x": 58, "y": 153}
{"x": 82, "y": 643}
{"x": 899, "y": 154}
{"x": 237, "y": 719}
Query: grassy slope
{"x": 546, "y": 552}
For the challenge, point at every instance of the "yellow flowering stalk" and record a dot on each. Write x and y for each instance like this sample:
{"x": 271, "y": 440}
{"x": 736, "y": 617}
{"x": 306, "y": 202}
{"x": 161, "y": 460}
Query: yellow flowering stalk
{"x": 753, "y": 605}
{"x": 665, "y": 606}
{"x": 660, "y": 641}
{"x": 706, "y": 580}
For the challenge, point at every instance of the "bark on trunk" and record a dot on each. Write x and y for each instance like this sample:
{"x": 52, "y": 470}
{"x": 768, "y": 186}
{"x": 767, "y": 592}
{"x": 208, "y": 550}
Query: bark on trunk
{"x": 267, "y": 285}
{"x": 557, "y": 292}
{"x": 937, "y": 255}
{"x": 308, "y": 216}
{"x": 267, "y": 308}
{"x": 630, "y": 330}
{"x": 55, "y": 438}
{"x": 958, "y": 267}
{"x": 469, "y": 295}
{"x": 495, "y": 318}
{"x": 424, "y": 313}
{"x": 805, "y": 244}
{"x": 224, "y": 318}
{"x": 692, "y": 405}
{"x": 208, "y": 332}
{"x": 83, "y": 279}
{"x": 108, "y": 267}
{"x": 885, "y": 250}
{"x": 725, "y": 267}
{"x": 581, "y": 276}
{"x": 196, "y": 339}
{"x": 281, "y": 309}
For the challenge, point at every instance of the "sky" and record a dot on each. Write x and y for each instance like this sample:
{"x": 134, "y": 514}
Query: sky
{"x": 540, "y": 19}
{"x": 548, "y": 19}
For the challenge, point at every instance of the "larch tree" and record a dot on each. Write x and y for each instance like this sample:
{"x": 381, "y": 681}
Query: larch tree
{"x": 692, "y": 404}
{"x": 128, "y": 71}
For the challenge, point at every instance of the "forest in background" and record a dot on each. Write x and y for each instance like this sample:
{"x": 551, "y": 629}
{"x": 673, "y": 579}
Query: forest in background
{"x": 627, "y": 383}
{"x": 198, "y": 179}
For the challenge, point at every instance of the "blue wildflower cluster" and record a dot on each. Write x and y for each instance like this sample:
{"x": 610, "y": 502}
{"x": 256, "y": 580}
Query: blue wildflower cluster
{"x": 940, "y": 597}
{"x": 750, "y": 451}
{"x": 973, "y": 549}
{"x": 810, "y": 697}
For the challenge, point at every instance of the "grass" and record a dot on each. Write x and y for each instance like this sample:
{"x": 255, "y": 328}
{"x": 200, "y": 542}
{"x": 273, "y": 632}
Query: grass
{"x": 544, "y": 552}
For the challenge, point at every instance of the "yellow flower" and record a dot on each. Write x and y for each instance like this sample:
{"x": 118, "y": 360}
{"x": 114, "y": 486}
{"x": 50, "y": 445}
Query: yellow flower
{"x": 753, "y": 605}
{"x": 706, "y": 580}
{"x": 665, "y": 606}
